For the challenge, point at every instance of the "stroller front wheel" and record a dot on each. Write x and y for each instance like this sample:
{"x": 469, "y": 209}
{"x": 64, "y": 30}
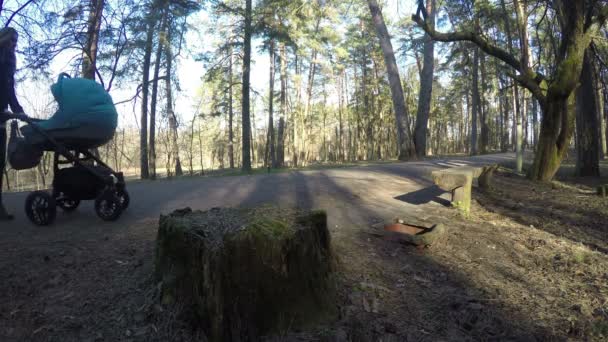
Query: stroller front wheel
{"x": 123, "y": 198}
{"x": 108, "y": 206}
{"x": 40, "y": 208}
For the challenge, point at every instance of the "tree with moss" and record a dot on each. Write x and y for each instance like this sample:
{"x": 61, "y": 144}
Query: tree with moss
{"x": 575, "y": 23}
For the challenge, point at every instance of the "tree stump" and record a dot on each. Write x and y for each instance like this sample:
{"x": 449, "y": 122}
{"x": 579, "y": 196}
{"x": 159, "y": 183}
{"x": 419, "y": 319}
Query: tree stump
{"x": 247, "y": 272}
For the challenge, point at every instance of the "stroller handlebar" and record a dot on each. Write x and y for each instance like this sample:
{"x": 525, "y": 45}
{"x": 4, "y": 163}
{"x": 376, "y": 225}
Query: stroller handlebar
{"x": 5, "y": 116}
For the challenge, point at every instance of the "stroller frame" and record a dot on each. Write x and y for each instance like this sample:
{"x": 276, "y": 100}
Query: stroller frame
{"x": 108, "y": 187}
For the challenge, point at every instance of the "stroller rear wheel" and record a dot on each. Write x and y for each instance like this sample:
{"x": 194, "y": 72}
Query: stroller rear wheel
{"x": 108, "y": 205}
{"x": 40, "y": 208}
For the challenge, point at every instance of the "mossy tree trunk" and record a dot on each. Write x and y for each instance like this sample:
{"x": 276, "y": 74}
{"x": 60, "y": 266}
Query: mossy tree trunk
{"x": 557, "y": 124}
{"x": 555, "y": 135}
{"x": 246, "y": 273}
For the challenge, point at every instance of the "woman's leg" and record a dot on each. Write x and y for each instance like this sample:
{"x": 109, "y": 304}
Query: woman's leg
{"x": 3, "y": 214}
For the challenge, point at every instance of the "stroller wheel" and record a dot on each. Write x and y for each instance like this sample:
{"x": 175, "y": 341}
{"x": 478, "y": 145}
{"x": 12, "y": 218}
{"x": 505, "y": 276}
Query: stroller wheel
{"x": 124, "y": 198}
{"x": 67, "y": 204}
{"x": 40, "y": 208}
{"x": 108, "y": 206}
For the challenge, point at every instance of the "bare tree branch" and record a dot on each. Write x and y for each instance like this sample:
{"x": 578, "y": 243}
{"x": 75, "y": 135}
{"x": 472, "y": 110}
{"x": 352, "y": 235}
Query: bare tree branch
{"x": 472, "y": 37}
{"x": 17, "y": 11}
{"x": 139, "y": 88}
{"x": 528, "y": 78}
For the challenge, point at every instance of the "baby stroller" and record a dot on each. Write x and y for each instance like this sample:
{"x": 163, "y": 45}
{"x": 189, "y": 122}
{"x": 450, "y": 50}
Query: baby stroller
{"x": 86, "y": 119}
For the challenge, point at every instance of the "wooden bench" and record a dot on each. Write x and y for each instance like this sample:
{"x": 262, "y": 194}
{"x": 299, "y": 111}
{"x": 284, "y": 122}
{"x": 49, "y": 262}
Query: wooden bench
{"x": 459, "y": 180}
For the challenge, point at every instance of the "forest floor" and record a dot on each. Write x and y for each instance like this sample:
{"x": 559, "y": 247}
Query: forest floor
{"x": 529, "y": 264}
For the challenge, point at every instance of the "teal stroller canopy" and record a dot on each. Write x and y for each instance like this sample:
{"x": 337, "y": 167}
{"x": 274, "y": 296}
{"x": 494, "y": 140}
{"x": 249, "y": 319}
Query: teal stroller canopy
{"x": 86, "y": 119}
{"x": 82, "y": 102}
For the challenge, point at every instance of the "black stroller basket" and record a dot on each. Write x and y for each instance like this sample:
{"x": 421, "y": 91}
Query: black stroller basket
{"x": 79, "y": 175}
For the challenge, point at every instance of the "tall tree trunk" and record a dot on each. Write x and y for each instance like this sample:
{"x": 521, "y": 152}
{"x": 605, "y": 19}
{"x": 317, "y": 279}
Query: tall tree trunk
{"x": 153, "y": 100}
{"x": 230, "y": 112}
{"x": 254, "y": 155}
{"x": 324, "y": 129}
{"x": 507, "y": 131}
{"x": 461, "y": 127}
{"x": 517, "y": 128}
{"x": 475, "y": 102}
{"x": 191, "y": 150}
{"x": 143, "y": 136}
{"x": 341, "y": 106}
{"x": 89, "y": 55}
{"x": 600, "y": 114}
{"x": 270, "y": 141}
{"x": 366, "y": 108}
{"x": 515, "y": 106}
{"x": 170, "y": 111}
{"x": 200, "y": 147}
{"x": 426, "y": 86}
{"x": 467, "y": 127}
{"x": 484, "y": 117}
{"x": 283, "y": 99}
{"x": 501, "y": 114}
{"x": 534, "y": 122}
{"x": 605, "y": 114}
{"x": 522, "y": 25}
{"x": 525, "y": 121}
{"x": 246, "y": 129}
{"x": 378, "y": 119}
{"x": 405, "y": 145}
{"x": 357, "y": 138}
{"x": 587, "y": 137}
{"x": 295, "y": 114}
{"x": 307, "y": 118}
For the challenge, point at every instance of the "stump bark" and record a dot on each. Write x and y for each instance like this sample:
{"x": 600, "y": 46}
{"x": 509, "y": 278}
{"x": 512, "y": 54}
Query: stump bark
{"x": 247, "y": 272}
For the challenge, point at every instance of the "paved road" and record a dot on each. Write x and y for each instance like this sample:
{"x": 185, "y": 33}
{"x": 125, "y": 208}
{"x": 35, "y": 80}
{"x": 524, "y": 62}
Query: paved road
{"x": 349, "y": 194}
{"x": 85, "y": 273}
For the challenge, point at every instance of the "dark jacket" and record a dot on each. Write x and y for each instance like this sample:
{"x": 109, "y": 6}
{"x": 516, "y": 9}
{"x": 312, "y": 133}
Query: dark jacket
{"x": 7, "y": 89}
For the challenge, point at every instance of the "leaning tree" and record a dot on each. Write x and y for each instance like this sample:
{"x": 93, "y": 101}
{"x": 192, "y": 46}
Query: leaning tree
{"x": 571, "y": 25}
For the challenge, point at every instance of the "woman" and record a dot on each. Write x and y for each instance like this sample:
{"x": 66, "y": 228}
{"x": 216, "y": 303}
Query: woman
{"x": 8, "y": 65}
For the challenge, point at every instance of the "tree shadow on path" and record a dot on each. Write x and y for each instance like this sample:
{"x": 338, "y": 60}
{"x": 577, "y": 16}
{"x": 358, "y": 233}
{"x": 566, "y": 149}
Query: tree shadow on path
{"x": 390, "y": 290}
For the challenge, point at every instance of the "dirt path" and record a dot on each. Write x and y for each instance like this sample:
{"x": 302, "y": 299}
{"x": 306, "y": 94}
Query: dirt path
{"x": 86, "y": 280}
